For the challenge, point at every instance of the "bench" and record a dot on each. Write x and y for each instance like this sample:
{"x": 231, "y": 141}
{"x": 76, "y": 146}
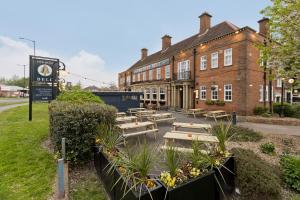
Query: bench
{"x": 193, "y": 133}
{"x": 194, "y": 112}
{"x": 126, "y": 135}
{"x": 192, "y": 137}
{"x": 183, "y": 149}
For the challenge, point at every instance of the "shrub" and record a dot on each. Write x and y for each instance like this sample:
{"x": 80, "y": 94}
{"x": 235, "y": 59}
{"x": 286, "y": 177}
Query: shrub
{"x": 268, "y": 148}
{"x": 255, "y": 179}
{"x": 287, "y": 109}
{"x": 222, "y": 134}
{"x": 78, "y": 96}
{"x": 296, "y": 110}
{"x": 241, "y": 134}
{"x": 259, "y": 110}
{"x": 209, "y": 102}
{"x": 78, "y": 124}
{"x": 291, "y": 171}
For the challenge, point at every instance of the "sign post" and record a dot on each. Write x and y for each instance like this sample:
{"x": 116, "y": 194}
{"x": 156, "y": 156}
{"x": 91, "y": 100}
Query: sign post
{"x": 43, "y": 79}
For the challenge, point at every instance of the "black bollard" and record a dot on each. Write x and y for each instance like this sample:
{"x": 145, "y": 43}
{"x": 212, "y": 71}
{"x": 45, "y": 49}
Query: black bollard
{"x": 233, "y": 118}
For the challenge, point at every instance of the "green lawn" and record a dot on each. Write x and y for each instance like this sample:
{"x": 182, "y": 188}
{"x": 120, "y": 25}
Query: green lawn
{"x": 27, "y": 170}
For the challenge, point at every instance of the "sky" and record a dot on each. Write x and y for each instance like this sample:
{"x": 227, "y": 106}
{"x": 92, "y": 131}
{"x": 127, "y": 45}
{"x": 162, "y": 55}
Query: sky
{"x": 98, "y": 39}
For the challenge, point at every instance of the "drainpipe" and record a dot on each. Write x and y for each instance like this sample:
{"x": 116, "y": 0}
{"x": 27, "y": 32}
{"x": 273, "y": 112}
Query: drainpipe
{"x": 194, "y": 57}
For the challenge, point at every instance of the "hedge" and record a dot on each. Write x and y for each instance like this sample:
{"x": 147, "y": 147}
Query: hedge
{"x": 78, "y": 124}
{"x": 255, "y": 178}
{"x": 288, "y": 110}
{"x": 78, "y": 96}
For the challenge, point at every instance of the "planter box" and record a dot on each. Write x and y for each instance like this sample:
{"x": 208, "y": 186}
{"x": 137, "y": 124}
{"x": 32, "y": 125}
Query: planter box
{"x": 202, "y": 187}
{"x": 157, "y": 193}
{"x": 229, "y": 185}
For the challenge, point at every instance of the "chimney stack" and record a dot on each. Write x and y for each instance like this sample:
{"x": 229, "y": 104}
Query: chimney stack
{"x": 204, "y": 22}
{"x": 264, "y": 26}
{"x": 144, "y": 53}
{"x": 166, "y": 42}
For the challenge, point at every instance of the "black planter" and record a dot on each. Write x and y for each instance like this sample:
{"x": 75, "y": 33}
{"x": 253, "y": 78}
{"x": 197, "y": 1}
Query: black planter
{"x": 225, "y": 172}
{"x": 157, "y": 193}
{"x": 202, "y": 187}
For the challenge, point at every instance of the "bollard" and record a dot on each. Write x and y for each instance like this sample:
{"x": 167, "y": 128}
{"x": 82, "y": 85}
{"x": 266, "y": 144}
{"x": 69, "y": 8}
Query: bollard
{"x": 61, "y": 178}
{"x": 234, "y": 118}
{"x": 63, "y": 148}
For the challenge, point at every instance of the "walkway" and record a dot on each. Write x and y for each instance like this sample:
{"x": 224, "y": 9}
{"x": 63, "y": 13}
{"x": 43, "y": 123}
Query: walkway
{"x": 3, "y": 108}
{"x": 271, "y": 128}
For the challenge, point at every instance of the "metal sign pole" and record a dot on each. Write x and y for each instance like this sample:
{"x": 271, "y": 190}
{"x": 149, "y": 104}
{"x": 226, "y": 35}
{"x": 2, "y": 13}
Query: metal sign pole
{"x": 30, "y": 87}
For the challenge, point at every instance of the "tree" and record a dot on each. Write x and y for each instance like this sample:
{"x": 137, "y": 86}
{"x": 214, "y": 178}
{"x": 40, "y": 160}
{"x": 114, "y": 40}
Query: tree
{"x": 283, "y": 50}
{"x": 15, "y": 80}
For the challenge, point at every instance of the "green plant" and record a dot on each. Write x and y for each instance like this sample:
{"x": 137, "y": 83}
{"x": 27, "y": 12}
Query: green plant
{"x": 241, "y": 134}
{"x": 288, "y": 110}
{"x": 268, "y": 148}
{"x": 259, "y": 110}
{"x": 222, "y": 134}
{"x": 220, "y": 103}
{"x": 266, "y": 114}
{"x": 209, "y": 102}
{"x": 255, "y": 179}
{"x": 291, "y": 171}
{"x": 172, "y": 160}
{"x": 109, "y": 137}
{"x": 78, "y": 96}
{"x": 78, "y": 124}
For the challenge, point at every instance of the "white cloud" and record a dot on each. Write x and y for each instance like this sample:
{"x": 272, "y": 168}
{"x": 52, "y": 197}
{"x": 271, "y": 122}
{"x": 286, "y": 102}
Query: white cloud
{"x": 15, "y": 52}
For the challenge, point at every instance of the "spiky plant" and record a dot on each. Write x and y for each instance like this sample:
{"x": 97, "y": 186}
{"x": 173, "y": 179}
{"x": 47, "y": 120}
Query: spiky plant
{"x": 222, "y": 134}
{"x": 172, "y": 160}
{"x": 109, "y": 137}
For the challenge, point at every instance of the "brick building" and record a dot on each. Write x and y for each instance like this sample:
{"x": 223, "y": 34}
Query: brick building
{"x": 219, "y": 65}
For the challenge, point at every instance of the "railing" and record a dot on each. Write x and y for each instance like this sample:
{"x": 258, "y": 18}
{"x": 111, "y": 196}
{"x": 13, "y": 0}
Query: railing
{"x": 185, "y": 75}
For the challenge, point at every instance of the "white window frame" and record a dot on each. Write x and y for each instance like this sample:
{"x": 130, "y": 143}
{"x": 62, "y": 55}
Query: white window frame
{"x": 203, "y": 62}
{"x": 153, "y": 91}
{"x": 183, "y": 67}
{"x": 144, "y": 76}
{"x": 138, "y": 77}
{"x": 214, "y": 60}
{"x": 228, "y": 55}
{"x": 203, "y": 92}
{"x": 158, "y": 73}
{"x": 212, "y": 92}
{"x": 278, "y": 82}
{"x": 148, "y": 92}
{"x": 228, "y": 90}
{"x": 150, "y": 75}
{"x": 162, "y": 91}
{"x": 133, "y": 78}
{"x": 167, "y": 72}
{"x": 261, "y": 94}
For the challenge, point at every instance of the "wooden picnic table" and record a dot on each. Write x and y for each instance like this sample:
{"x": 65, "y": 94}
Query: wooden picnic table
{"x": 121, "y": 114}
{"x": 172, "y": 136}
{"x": 148, "y": 126}
{"x": 195, "y": 111}
{"x": 177, "y": 125}
{"x": 126, "y": 119}
{"x": 144, "y": 113}
{"x": 132, "y": 111}
{"x": 217, "y": 114}
{"x": 161, "y": 117}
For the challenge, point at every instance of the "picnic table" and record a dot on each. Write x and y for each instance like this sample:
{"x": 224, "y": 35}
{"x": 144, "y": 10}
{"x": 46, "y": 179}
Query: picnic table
{"x": 126, "y": 119}
{"x": 177, "y": 125}
{"x": 132, "y": 111}
{"x": 195, "y": 111}
{"x": 161, "y": 117}
{"x": 144, "y": 113}
{"x": 148, "y": 126}
{"x": 217, "y": 114}
{"x": 121, "y": 114}
{"x": 172, "y": 136}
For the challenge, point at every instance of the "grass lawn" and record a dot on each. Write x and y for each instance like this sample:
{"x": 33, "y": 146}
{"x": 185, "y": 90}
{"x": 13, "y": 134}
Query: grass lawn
{"x": 27, "y": 170}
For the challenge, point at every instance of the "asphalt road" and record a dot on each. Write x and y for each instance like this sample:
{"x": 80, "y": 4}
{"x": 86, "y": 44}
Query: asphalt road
{"x": 3, "y": 108}
{"x": 12, "y": 100}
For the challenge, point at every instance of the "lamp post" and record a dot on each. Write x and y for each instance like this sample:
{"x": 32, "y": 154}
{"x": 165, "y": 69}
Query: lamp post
{"x": 33, "y": 41}
{"x": 291, "y": 81}
{"x": 282, "y": 94}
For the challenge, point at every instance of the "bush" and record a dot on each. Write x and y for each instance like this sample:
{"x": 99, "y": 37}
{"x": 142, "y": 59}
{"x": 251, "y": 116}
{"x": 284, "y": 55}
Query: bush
{"x": 296, "y": 109}
{"x": 220, "y": 103}
{"x": 209, "y": 102}
{"x": 288, "y": 110}
{"x": 254, "y": 177}
{"x": 268, "y": 148}
{"x": 78, "y": 124}
{"x": 241, "y": 134}
{"x": 78, "y": 96}
{"x": 291, "y": 171}
{"x": 259, "y": 110}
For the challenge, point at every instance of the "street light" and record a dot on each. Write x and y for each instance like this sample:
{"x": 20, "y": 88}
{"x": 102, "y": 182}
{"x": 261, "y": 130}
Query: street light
{"x": 33, "y": 41}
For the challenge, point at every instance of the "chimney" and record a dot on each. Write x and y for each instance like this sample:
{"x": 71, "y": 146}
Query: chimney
{"x": 166, "y": 42}
{"x": 204, "y": 22}
{"x": 144, "y": 53}
{"x": 264, "y": 26}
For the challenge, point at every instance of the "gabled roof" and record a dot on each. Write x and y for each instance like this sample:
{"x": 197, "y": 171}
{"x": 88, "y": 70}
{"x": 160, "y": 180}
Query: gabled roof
{"x": 216, "y": 31}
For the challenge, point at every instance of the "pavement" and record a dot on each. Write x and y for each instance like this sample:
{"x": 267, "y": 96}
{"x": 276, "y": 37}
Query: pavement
{"x": 3, "y": 108}
{"x": 12, "y": 100}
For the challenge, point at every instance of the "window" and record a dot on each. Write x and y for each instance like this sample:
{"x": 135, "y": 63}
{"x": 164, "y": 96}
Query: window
{"x": 261, "y": 55}
{"x": 138, "y": 77}
{"x": 183, "y": 70}
{"x": 133, "y": 77}
{"x": 278, "y": 82}
{"x": 144, "y": 76}
{"x": 228, "y": 57}
{"x": 214, "y": 92}
{"x": 128, "y": 79}
{"x": 147, "y": 92}
{"x": 167, "y": 71}
{"x": 158, "y": 77}
{"x": 142, "y": 95}
{"x": 203, "y": 63}
{"x": 150, "y": 74}
{"x": 228, "y": 92}
{"x": 203, "y": 92}
{"x": 162, "y": 94}
{"x": 214, "y": 60}
{"x": 261, "y": 95}
{"x": 154, "y": 94}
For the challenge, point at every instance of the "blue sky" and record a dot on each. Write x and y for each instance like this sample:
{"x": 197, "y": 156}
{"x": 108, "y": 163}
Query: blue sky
{"x": 108, "y": 33}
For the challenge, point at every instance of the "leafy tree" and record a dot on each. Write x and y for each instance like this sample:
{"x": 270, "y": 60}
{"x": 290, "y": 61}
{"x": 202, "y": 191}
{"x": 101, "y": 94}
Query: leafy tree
{"x": 14, "y": 80}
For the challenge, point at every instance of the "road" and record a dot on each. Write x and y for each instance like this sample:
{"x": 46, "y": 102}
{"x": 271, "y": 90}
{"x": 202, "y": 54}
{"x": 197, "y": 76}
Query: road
{"x": 21, "y": 103}
{"x": 13, "y": 100}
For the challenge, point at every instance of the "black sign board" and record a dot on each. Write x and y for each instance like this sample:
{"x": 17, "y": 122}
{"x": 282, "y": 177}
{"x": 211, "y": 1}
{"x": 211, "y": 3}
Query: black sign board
{"x": 43, "y": 93}
{"x": 44, "y": 70}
